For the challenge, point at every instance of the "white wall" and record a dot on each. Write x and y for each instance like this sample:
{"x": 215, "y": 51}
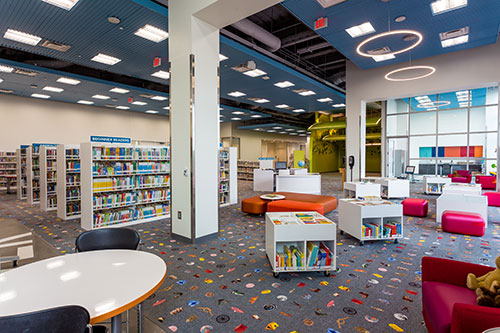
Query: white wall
{"x": 473, "y": 68}
{"x": 25, "y": 120}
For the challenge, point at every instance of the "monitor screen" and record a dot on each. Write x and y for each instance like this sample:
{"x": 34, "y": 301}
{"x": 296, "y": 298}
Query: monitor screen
{"x": 280, "y": 165}
{"x": 410, "y": 169}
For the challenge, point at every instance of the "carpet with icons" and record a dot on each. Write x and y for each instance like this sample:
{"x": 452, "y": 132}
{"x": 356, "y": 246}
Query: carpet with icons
{"x": 226, "y": 284}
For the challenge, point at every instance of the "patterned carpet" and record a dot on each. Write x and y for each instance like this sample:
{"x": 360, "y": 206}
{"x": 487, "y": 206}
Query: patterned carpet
{"x": 226, "y": 285}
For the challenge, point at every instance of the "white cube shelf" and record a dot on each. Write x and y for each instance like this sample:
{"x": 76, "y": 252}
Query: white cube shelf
{"x": 435, "y": 184}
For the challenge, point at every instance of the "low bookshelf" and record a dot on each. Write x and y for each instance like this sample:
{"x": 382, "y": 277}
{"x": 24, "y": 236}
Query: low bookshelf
{"x": 48, "y": 178}
{"x": 435, "y": 184}
{"x": 68, "y": 182}
{"x": 33, "y": 174}
{"x": 123, "y": 184}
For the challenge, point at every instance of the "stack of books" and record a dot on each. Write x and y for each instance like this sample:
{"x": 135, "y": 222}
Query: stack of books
{"x": 291, "y": 258}
{"x": 319, "y": 255}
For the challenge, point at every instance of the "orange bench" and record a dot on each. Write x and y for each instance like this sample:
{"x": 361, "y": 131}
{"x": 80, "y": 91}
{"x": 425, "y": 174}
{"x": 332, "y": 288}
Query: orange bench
{"x": 292, "y": 202}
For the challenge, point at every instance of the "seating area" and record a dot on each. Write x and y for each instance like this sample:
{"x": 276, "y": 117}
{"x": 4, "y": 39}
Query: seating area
{"x": 415, "y": 207}
{"x": 460, "y": 176}
{"x": 292, "y": 202}
{"x": 463, "y": 223}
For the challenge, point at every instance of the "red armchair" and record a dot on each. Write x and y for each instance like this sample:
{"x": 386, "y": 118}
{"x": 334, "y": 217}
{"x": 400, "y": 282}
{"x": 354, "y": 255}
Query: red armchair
{"x": 487, "y": 182}
{"x": 464, "y": 176}
{"x": 448, "y": 305}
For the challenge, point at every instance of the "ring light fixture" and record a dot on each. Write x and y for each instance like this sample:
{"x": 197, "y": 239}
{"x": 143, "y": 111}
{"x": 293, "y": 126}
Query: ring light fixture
{"x": 430, "y": 69}
{"x": 390, "y": 33}
{"x": 435, "y": 104}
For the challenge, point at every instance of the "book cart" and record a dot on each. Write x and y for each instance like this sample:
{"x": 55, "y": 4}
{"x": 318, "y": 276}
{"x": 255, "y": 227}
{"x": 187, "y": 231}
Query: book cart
{"x": 371, "y": 220}
{"x": 300, "y": 242}
{"x": 435, "y": 184}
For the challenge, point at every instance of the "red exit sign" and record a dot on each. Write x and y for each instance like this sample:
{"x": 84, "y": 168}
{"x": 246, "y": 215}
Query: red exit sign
{"x": 321, "y": 23}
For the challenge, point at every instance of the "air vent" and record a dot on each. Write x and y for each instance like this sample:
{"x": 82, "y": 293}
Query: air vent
{"x": 24, "y": 72}
{"x": 379, "y": 51}
{"x": 6, "y": 91}
{"x": 245, "y": 67}
{"x": 146, "y": 95}
{"x": 454, "y": 33}
{"x": 55, "y": 46}
{"x": 329, "y": 3}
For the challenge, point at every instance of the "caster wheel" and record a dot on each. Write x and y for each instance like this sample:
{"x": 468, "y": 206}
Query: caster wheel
{"x": 361, "y": 243}
{"x": 341, "y": 232}
{"x": 327, "y": 273}
{"x": 276, "y": 275}
{"x": 396, "y": 241}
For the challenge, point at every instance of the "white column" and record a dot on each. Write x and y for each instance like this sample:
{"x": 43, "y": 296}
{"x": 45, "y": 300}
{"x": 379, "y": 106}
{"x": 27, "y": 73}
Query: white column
{"x": 355, "y": 137}
{"x": 194, "y": 109}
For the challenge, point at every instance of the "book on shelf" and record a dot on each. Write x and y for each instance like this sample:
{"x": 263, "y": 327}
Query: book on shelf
{"x": 319, "y": 255}
{"x": 291, "y": 258}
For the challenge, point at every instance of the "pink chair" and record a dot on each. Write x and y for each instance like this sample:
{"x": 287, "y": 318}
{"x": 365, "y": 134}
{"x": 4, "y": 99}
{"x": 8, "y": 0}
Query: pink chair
{"x": 464, "y": 176}
{"x": 463, "y": 223}
{"x": 493, "y": 198}
{"x": 487, "y": 182}
{"x": 448, "y": 305}
{"x": 415, "y": 207}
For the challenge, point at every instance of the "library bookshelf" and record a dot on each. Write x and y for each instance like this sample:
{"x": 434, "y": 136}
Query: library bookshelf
{"x": 8, "y": 170}
{"x": 301, "y": 232}
{"x": 68, "y": 182}
{"x": 48, "y": 178}
{"x": 33, "y": 174}
{"x": 22, "y": 178}
{"x": 228, "y": 177}
{"x": 123, "y": 184}
{"x": 245, "y": 169}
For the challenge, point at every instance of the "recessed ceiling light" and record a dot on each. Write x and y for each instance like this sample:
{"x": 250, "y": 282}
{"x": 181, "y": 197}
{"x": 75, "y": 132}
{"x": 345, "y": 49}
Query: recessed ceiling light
{"x": 305, "y": 92}
{"x": 236, "y": 94}
{"x": 106, "y": 59}
{"x": 54, "y": 89}
{"x": 455, "y": 41}
{"x": 1, "y": 80}
{"x": 271, "y": 131}
{"x": 302, "y": 134}
{"x": 238, "y": 112}
{"x": 151, "y": 111}
{"x": 119, "y": 90}
{"x": 383, "y": 57}
{"x": 22, "y": 37}
{"x": 400, "y": 18}
{"x": 66, "y": 80}
{"x": 100, "y": 97}
{"x": 360, "y": 30}
{"x": 6, "y": 69}
{"x": 159, "y": 98}
{"x": 40, "y": 96}
{"x": 282, "y": 106}
{"x": 64, "y": 4}
{"x": 152, "y": 33}
{"x": 339, "y": 105}
{"x": 260, "y": 100}
{"x": 161, "y": 74}
{"x": 284, "y": 84}
{"x": 254, "y": 73}
{"x": 288, "y": 129}
{"x": 139, "y": 103}
{"x": 443, "y": 6}
{"x": 85, "y": 102}
{"x": 256, "y": 116}
{"x": 293, "y": 133}
{"x": 114, "y": 20}
{"x": 122, "y": 107}
{"x": 222, "y": 57}
{"x": 283, "y": 132}
{"x": 235, "y": 118}
{"x": 277, "y": 127}
{"x": 166, "y": 108}
{"x": 324, "y": 100}
{"x": 299, "y": 110}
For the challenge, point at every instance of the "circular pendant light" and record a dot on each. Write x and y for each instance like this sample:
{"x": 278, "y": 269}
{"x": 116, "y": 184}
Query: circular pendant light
{"x": 390, "y": 33}
{"x": 429, "y": 70}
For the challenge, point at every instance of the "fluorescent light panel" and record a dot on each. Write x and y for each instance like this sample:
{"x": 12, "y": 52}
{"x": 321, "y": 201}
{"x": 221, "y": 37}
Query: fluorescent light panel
{"x": 443, "y": 6}
{"x": 324, "y": 100}
{"x": 282, "y": 106}
{"x": 455, "y": 41}
{"x": 339, "y": 105}
{"x": 120, "y": 107}
{"x": 106, "y": 59}
{"x": 152, "y": 33}
{"x": 161, "y": 74}
{"x": 6, "y": 69}
{"x": 383, "y": 57}
{"x": 222, "y": 57}
{"x": 236, "y": 94}
{"x": 255, "y": 72}
{"x": 256, "y": 116}
{"x": 262, "y": 100}
{"x": 139, "y": 103}
{"x": 1, "y": 80}
{"x": 238, "y": 112}
{"x": 151, "y": 111}
{"x": 307, "y": 93}
{"x": 22, "y": 37}
{"x": 299, "y": 110}
{"x": 166, "y": 108}
{"x": 66, "y": 80}
{"x": 40, "y": 96}
{"x": 159, "y": 98}
{"x": 85, "y": 102}
{"x": 53, "y": 89}
{"x": 100, "y": 97}
{"x": 235, "y": 118}
{"x": 360, "y": 30}
{"x": 119, "y": 90}
{"x": 284, "y": 84}
{"x": 64, "y": 4}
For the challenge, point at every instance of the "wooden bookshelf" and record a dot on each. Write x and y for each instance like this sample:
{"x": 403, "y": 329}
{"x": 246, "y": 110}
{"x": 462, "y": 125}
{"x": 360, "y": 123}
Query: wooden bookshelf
{"x": 8, "y": 170}
{"x": 68, "y": 182}
{"x": 228, "y": 181}
{"x": 123, "y": 184}
{"x": 48, "y": 178}
{"x": 22, "y": 178}
{"x": 245, "y": 169}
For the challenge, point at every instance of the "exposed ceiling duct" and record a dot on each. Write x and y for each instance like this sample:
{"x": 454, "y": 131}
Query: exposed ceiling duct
{"x": 298, "y": 38}
{"x": 253, "y": 30}
{"x": 313, "y": 47}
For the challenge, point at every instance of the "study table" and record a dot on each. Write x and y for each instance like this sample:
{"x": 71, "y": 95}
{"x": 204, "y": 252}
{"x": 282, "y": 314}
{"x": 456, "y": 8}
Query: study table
{"x": 106, "y": 283}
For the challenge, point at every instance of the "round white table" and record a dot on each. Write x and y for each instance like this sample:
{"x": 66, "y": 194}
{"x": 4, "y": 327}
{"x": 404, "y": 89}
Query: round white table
{"x": 106, "y": 283}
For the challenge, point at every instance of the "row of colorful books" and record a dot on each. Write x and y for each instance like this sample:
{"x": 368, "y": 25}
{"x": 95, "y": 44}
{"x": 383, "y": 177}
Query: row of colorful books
{"x": 312, "y": 219}
{"x": 291, "y": 258}
{"x": 152, "y": 195}
{"x": 112, "y": 153}
{"x": 115, "y": 183}
{"x": 146, "y": 181}
{"x": 319, "y": 255}
{"x": 73, "y": 179}
{"x": 124, "y": 168}
{"x": 435, "y": 188}
{"x": 374, "y": 230}
{"x": 151, "y": 211}
{"x": 72, "y": 193}
{"x": 72, "y": 152}
{"x": 113, "y": 200}
{"x": 73, "y": 208}
{"x": 152, "y": 153}
{"x": 73, "y": 165}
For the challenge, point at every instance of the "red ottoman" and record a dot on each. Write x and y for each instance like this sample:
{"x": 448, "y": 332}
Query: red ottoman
{"x": 294, "y": 206}
{"x": 415, "y": 207}
{"x": 493, "y": 198}
{"x": 463, "y": 223}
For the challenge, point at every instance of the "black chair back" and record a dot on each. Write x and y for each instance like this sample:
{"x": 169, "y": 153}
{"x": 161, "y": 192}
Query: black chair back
{"x": 64, "y": 319}
{"x": 108, "y": 239}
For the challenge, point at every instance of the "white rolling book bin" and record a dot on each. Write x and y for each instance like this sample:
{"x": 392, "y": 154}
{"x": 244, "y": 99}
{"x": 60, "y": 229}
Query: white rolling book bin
{"x": 391, "y": 187}
{"x": 68, "y": 182}
{"x": 354, "y": 213}
{"x": 228, "y": 176}
{"x": 22, "y": 179}
{"x": 435, "y": 184}
{"x": 462, "y": 203}
{"x": 33, "y": 174}
{"x": 123, "y": 184}
{"x": 48, "y": 178}
{"x": 286, "y": 229}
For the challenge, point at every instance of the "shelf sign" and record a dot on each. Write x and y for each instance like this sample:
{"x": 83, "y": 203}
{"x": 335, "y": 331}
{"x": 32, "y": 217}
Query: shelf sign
{"x": 44, "y": 144}
{"x": 24, "y": 146}
{"x": 321, "y": 23}
{"x": 109, "y": 139}
{"x": 157, "y": 62}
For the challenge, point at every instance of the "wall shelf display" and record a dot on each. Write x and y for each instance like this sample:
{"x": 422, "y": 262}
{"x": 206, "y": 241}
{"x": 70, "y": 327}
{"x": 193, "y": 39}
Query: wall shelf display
{"x": 371, "y": 220}
{"x": 228, "y": 176}
{"x": 245, "y": 169}
{"x": 48, "y": 178}
{"x": 68, "y": 182}
{"x": 123, "y": 184}
{"x": 435, "y": 184}
{"x": 300, "y": 242}
{"x": 22, "y": 178}
{"x": 8, "y": 170}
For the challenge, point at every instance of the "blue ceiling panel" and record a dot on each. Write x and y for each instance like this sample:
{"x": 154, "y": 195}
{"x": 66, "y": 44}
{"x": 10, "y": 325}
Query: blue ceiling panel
{"x": 229, "y": 113}
{"x": 482, "y": 17}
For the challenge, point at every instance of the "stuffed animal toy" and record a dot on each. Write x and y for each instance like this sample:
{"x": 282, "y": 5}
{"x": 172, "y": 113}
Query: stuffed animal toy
{"x": 487, "y": 287}
{"x": 487, "y": 298}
